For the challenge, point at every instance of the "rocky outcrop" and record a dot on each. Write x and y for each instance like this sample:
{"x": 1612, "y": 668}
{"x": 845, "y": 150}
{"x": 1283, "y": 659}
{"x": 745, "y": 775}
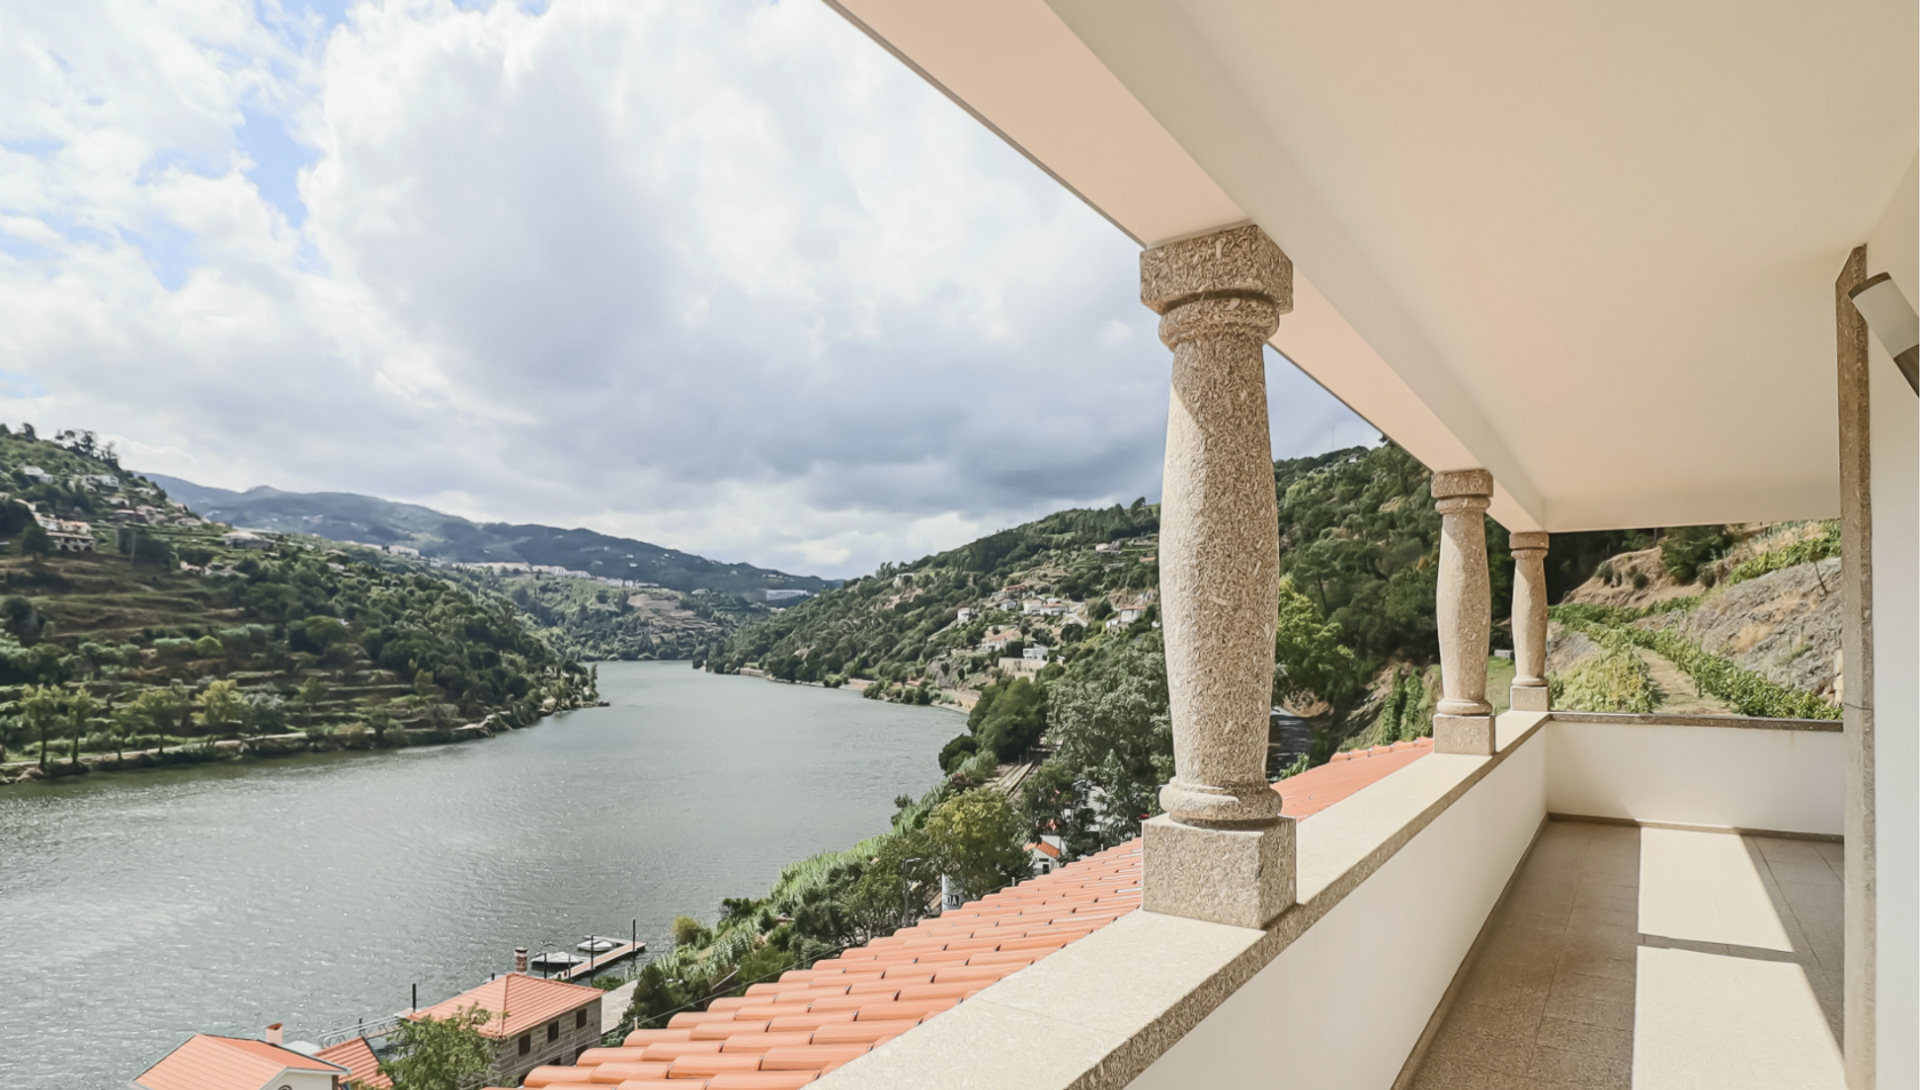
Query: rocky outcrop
{"x": 1784, "y": 626}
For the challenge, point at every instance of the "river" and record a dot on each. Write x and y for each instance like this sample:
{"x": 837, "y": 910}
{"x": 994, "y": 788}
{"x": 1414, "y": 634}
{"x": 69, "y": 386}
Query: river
{"x": 137, "y": 908}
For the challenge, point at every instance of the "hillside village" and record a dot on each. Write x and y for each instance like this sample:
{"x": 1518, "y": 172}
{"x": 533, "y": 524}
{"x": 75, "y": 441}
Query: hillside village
{"x": 1700, "y": 620}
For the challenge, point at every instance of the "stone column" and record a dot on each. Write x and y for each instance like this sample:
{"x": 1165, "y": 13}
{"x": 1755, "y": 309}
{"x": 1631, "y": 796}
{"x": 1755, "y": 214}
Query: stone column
{"x": 1463, "y": 608}
{"x": 1529, "y": 550}
{"x": 1222, "y": 851}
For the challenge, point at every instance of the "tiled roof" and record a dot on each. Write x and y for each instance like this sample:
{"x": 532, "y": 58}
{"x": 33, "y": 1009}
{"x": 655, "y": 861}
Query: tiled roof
{"x": 362, "y": 1065}
{"x": 206, "y": 1062}
{"x": 525, "y": 1001}
{"x": 1315, "y": 790}
{"x": 782, "y": 1035}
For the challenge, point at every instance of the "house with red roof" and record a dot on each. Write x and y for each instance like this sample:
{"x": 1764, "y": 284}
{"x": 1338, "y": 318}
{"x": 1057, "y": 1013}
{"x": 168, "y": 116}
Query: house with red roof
{"x": 207, "y": 1062}
{"x": 534, "y": 1021}
{"x": 363, "y": 1067}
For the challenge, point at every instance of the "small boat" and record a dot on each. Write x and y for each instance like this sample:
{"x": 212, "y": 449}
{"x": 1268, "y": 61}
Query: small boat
{"x": 555, "y": 959}
{"x": 599, "y": 944}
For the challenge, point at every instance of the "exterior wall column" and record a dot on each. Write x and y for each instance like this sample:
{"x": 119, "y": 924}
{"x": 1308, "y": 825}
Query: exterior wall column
{"x": 1222, "y": 851}
{"x": 1529, "y": 550}
{"x": 1859, "y": 907}
{"x": 1463, "y": 608}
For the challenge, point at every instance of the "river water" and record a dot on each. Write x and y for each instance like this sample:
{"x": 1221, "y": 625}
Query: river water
{"x": 137, "y": 908}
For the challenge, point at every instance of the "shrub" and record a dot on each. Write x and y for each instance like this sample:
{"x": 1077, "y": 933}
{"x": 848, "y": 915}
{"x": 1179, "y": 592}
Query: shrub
{"x": 1684, "y": 549}
{"x": 208, "y": 647}
{"x": 688, "y": 931}
{"x": 1615, "y": 680}
{"x": 957, "y": 750}
{"x": 1801, "y": 552}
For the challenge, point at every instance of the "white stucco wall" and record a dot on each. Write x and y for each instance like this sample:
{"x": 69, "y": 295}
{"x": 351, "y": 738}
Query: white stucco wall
{"x": 1725, "y": 777}
{"x": 1894, "y": 247}
{"x": 1344, "y": 1005}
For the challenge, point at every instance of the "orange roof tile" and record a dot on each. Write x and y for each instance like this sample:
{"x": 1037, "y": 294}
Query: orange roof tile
{"x": 525, "y": 1002}
{"x": 1316, "y": 789}
{"x": 783, "y": 1034}
{"x": 206, "y": 1062}
{"x": 356, "y": 1055}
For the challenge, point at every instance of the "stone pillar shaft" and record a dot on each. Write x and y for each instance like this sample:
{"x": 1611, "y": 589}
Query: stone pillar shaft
{"x": 1529, "y": 620}
{"x": 1222, "y": 851}
{"x": 1463, "y": 610}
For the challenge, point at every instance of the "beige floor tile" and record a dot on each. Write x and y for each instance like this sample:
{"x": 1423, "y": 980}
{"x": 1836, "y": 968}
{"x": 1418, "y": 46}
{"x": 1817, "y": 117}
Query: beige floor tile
{"x": 1613, "y": 963}
{"x": 1570, "y": 1036}
{"x": 1516, "y": 1022}
{"x": 1703, "y": 1020}
{"x": 1654, "y": 960}
{"x": 1461, "y": 1043}
{"x": 1706, "y": 887}
{"x": 1589, "y": 1011}
{"x": 1557, "y": 1067}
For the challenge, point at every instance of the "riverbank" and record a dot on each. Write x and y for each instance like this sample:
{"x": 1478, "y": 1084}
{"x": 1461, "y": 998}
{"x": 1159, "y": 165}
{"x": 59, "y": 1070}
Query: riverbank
{"x": 318, "y": 891}
{"x": 267, "y": 746}
{"x": 957, "y": 700}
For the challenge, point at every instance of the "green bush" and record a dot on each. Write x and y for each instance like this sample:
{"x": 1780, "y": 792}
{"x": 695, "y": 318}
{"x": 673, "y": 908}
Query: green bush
{"x": 1801, "y": 552}
{"x": 1615, "y": 680}
{"x": 208, "y": 647}
{"x": 1686, "y": 548}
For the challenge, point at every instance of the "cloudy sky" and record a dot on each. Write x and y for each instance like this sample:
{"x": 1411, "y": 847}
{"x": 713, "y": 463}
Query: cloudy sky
{"x": 718, "y": 274}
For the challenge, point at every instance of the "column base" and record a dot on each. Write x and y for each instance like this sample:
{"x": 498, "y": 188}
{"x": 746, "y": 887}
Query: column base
{"x": 1241, "y": 877}
{"x": 1530, "y": 698}
{"x": 1468, "y": 734}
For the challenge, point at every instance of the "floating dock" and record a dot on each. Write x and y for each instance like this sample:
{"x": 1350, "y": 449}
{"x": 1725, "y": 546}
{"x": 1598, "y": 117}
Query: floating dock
{"x": 598, "y": 962}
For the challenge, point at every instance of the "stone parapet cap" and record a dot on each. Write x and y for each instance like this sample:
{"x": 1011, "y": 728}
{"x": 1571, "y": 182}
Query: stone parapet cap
{"x": 1239, "y": 261}
{"x": 1099, "y": 1012}
{"x": 1737, "y": 722}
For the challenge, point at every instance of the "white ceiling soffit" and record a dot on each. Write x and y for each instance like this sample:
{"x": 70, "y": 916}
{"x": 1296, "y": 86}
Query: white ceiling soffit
{"x": 1594, "y": 245}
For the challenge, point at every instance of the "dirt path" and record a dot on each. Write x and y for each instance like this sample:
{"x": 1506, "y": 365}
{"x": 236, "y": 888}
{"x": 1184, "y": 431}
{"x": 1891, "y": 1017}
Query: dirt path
{"x": 1677, "y": 692}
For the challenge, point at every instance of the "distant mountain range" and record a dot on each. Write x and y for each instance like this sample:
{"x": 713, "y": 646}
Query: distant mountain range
{"x": 345, "y": 516}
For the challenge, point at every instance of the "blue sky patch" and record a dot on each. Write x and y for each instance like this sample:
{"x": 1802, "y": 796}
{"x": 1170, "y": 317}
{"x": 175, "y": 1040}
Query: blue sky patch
{"x": 277, "y": 159}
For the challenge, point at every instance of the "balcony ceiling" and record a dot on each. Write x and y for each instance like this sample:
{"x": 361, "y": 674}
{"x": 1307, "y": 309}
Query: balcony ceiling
{"x": 1589, "y": 247}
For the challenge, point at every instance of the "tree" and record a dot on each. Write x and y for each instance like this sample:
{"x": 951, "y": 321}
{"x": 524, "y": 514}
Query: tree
{"x": 265, "y": 713}
{"x": 976, "y": 840}
{"x": 80, "y": 708}
{"x": 1010, "y": 717}
{"x": 34, "y": 541}
{"x": 41, "y": 708}
{"x": 221, "y": 705}
{"x": 1685, "y": 549}
{"x": 423, "y": 686}
{"x": 156, "y": 710}
{"x": 440, "y": 1053}
{"x": 1310, "y": 661}
{"x": 1112, "y": 734}
{"x": 313, "y": 693}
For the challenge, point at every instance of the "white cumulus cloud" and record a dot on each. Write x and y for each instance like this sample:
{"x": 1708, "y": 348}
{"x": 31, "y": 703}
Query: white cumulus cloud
{"x": 722, "y": 275}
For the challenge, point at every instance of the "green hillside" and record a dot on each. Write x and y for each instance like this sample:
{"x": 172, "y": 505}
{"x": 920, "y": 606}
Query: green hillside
{"x": 170, "y": 644}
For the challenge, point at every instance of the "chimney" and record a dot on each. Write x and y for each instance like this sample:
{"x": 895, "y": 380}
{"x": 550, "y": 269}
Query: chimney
{"x": 274, "y": 1036}
{"x": 519, "y": 959}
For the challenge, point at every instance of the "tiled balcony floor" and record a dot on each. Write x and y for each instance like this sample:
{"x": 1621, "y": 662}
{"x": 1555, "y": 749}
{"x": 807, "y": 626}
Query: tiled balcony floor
{"x": 1653, "y": 959}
